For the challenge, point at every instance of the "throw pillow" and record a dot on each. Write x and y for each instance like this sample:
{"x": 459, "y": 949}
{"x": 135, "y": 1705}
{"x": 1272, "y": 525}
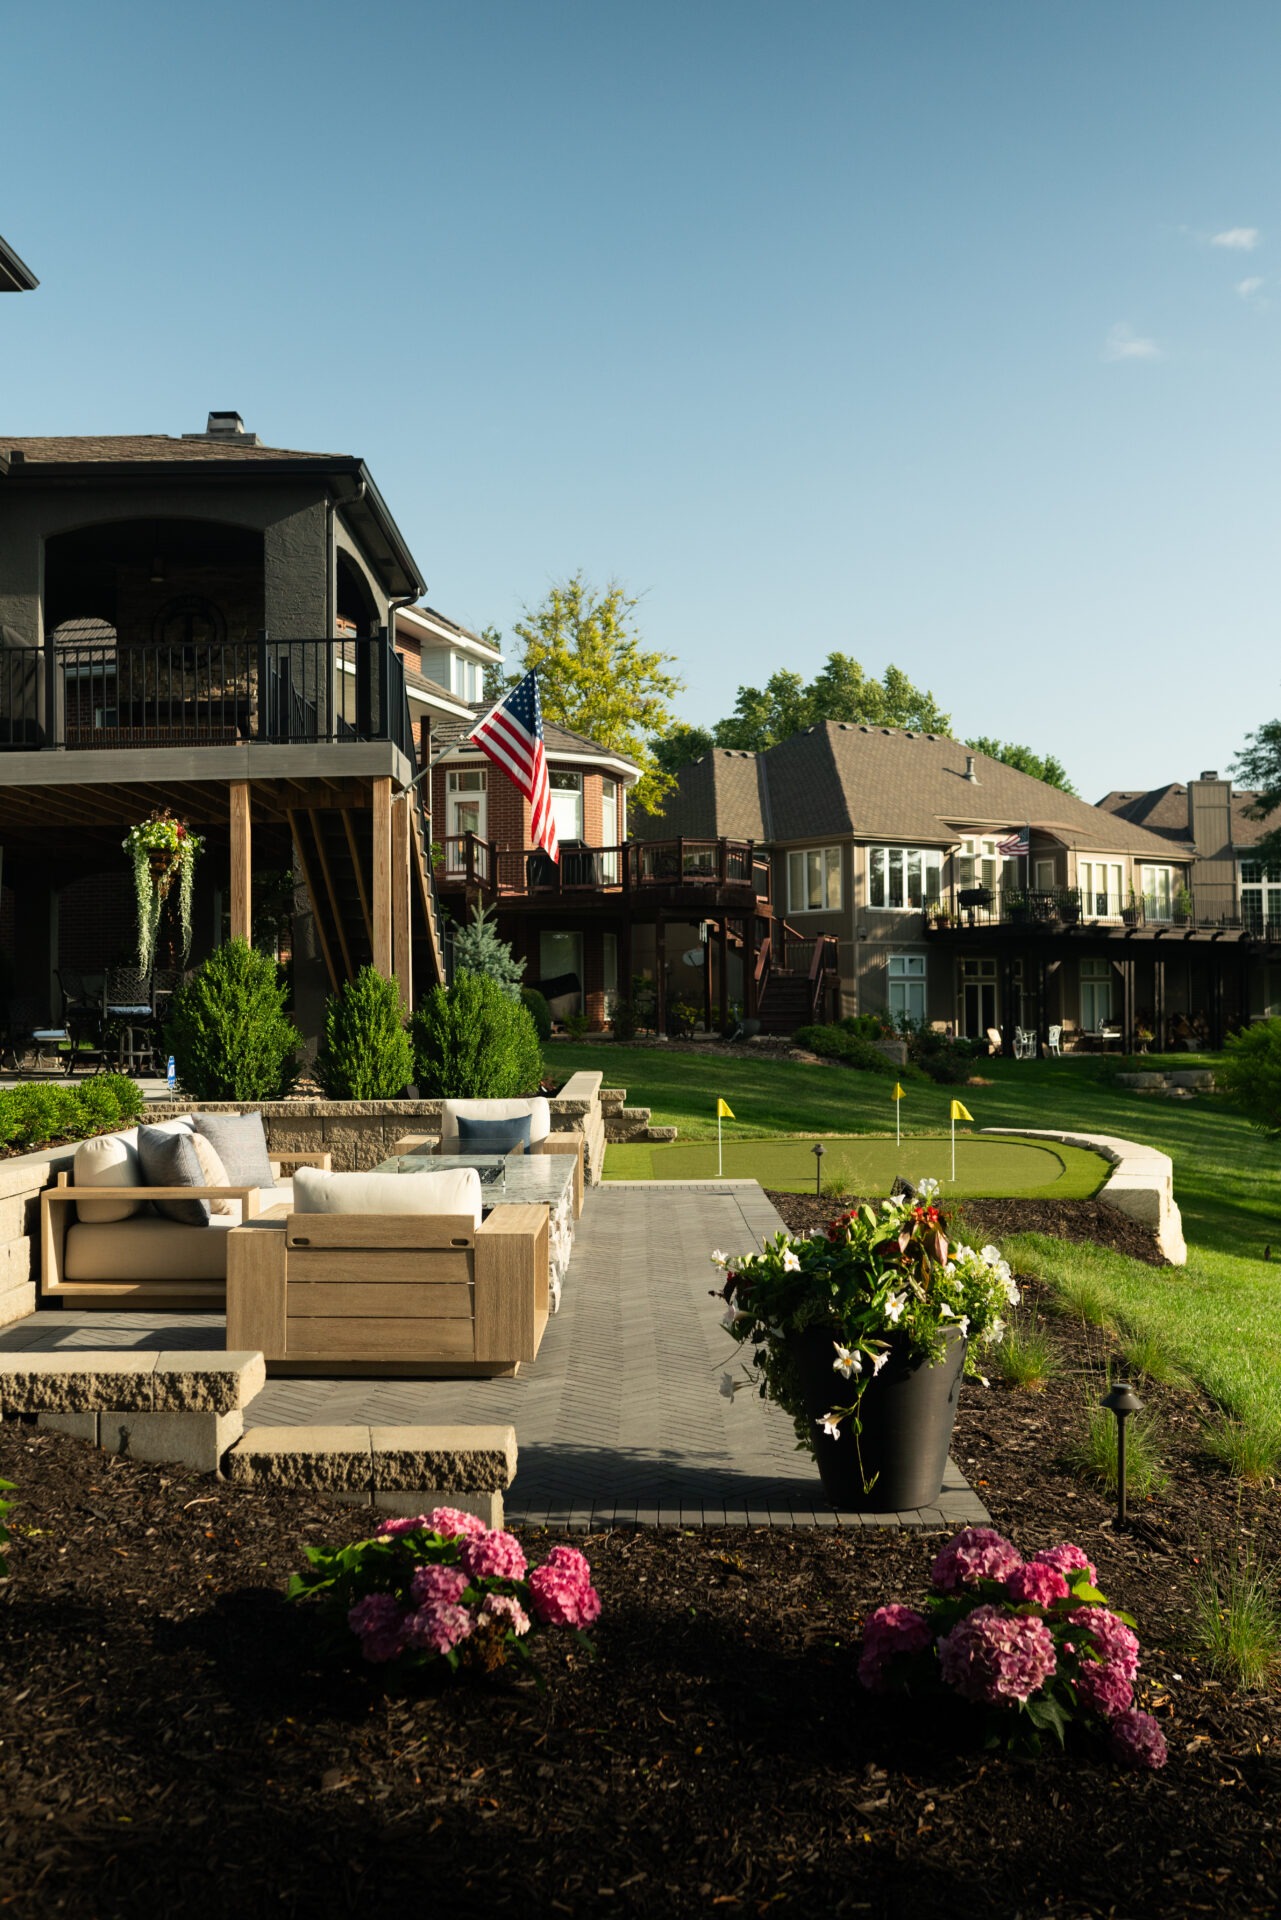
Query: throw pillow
{"x": 212, "y": 1171}
{"x": 169, "y": 1160}
{"x": 241, "y": 1144}
{"x": 451, "y": 1190}
{"x": 493, "y": 1136}
{"x": 108, "y": 1160}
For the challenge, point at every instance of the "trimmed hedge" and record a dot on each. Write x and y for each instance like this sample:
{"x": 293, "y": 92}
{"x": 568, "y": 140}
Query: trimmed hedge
{"x": 44, "y": 1114}
{"x": 230, "y": 1034}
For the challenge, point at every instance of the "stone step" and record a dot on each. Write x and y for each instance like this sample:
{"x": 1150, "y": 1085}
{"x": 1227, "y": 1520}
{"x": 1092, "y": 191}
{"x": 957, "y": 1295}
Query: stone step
{"x": 401, "y": 1470}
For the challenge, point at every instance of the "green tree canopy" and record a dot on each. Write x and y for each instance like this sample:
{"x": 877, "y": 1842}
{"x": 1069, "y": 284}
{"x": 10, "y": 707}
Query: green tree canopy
{"x": 1040, "y": 766}
{"x": 787, "y": 704}
{"x": 596, "y": 676}
{"x": 1259, "y": 765}
{"x": 842, "y": 690}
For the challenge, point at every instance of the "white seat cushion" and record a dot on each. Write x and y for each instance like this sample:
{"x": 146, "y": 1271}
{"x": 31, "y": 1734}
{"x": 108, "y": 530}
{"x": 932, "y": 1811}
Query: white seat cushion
{"x": 454, "y": 1190}
{"x": 111, "y": 1160}
{"x": 540, "y": 1117}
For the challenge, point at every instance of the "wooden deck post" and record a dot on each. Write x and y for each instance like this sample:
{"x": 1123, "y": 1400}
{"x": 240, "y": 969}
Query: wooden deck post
{"x": 381, "y": 904}
{"x": 401, "y": 942}
{"x": 241, "y": 863}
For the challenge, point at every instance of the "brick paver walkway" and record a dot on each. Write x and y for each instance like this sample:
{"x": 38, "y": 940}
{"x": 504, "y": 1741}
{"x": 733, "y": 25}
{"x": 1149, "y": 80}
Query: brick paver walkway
{"x": 619, "y": 1419}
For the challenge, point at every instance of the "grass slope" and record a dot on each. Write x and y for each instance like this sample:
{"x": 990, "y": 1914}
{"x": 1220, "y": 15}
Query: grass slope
{"x": 1218, "y": 1316}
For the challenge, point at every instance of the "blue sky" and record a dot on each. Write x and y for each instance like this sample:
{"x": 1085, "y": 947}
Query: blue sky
{"x": 943, "y": 335}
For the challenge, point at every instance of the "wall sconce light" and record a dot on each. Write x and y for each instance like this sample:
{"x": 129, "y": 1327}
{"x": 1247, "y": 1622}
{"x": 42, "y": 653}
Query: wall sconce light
{"x": 1122, "y": 1400}
{"x": 818, "y": 1150}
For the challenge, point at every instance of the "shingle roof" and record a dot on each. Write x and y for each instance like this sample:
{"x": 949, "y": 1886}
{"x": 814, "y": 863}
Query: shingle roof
{"x": 556, "y": 739}
{"x": 842, "y": 778}
{"x": 1164, "y": 811}
{"x": 92, "y": 449}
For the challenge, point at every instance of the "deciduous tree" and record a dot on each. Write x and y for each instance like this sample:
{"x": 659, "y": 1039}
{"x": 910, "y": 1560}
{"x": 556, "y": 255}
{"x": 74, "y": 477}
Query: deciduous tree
{"x": 1259, "y": 765}
{"x": 596, "y": 676}
{"x": 1041, "y": 766}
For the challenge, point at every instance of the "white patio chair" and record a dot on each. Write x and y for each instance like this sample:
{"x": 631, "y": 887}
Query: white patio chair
{"x": 1053, "y": 1043}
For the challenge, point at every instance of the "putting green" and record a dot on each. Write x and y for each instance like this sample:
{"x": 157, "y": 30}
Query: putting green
{"x": 986, "y": 1169}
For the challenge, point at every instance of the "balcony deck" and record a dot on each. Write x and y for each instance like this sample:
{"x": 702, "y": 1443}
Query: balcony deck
{"x": 681, "y": 875}
{"x": 1216, "y": 913}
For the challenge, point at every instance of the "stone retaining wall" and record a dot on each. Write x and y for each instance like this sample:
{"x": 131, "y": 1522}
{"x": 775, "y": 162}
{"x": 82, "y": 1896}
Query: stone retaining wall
{"x": 1140, "y": 1185}
{"x": 188, "y": 1409}
{"x": 358, "y": 1134}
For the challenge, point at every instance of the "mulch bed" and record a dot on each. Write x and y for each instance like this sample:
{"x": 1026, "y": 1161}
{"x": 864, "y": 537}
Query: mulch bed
{"x": 981, "y": 1221}
{"x": 172, "y": 1743}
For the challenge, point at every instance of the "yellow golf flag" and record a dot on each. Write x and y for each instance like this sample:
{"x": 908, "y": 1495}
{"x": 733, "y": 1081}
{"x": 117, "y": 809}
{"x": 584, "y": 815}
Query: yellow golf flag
{"x": 898, "y": 1092}
{"x": 723, "y": 1110}
{"x": 959, "y": 1112}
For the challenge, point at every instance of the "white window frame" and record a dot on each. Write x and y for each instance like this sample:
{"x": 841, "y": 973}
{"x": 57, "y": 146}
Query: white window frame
{"x": 1260, "y": 892}
{"x": 889, "y": 872}
{"x": 567, "y": 802}
{"x": 978, "y": 864}
{"x": 814, "y": 880}
{"x": 1096, "y": 984}
{"x": 1157, "y": 889}
{"x": 907, "y": 987}
{"x": 1089, "y": 875}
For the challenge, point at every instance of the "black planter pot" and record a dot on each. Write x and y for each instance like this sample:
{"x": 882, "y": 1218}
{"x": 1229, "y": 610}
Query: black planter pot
{"x": 907, "y": 1413}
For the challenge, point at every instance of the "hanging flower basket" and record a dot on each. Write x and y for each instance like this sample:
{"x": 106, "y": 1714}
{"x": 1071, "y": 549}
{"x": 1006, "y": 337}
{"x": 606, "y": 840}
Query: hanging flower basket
{"x": 162, "y": 849}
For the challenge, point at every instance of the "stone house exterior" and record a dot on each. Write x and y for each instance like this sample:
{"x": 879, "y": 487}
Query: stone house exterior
{"x": 891, "y": 841}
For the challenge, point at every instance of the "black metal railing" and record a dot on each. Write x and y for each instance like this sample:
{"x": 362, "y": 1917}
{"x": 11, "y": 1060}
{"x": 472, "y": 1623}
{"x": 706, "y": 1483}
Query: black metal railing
{"x": 210, "y": 693}
{"x": 1210, "y": 907}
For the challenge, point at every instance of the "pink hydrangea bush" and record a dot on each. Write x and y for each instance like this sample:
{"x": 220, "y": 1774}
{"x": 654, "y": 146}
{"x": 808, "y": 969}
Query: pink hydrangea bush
{"x": 445, "y": 1587}
{"x": 1032, "y": 1641}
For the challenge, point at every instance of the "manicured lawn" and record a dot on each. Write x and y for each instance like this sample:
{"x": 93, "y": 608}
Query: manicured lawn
{"x": 985, "y": 1169}
{"x": 1220, "y": 1316}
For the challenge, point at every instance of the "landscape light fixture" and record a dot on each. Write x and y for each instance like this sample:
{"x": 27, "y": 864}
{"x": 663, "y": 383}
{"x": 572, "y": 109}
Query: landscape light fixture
{"x": 1122, "y": 1400}
{"x": 818, "y": 1150}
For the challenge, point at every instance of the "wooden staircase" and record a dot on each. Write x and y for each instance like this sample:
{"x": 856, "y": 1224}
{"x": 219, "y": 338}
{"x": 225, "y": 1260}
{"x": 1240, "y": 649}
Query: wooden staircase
{"x": 335, "y": 853}
{"x": 797, "y": 979}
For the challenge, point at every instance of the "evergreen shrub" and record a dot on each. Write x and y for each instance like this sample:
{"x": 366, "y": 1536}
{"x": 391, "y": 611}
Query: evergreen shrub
{"x": 473, "y": 1041}
{"x": 834, "y": 1043}
{"x": 228, "y": 1031}
{"x": 478, "y": 949}
{"x": 365, "y": 1053}
{"x": 539, "y": 1011}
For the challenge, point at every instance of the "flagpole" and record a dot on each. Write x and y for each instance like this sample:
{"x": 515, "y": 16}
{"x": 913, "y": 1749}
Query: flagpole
{"x": 720, "y": 1162}
{"x": 953, "y": 1149}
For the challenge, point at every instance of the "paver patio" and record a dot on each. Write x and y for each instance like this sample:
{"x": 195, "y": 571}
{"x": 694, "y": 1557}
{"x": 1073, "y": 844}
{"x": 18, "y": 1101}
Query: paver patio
{"x": 619, "y": 1419}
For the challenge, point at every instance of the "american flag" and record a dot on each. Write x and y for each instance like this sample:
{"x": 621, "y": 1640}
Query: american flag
{"x": 1017, "y": 845}
{"x": 511, "y": 734}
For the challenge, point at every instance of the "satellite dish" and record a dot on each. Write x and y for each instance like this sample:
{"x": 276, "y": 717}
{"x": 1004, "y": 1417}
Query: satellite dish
{"x": 694, "y": 956}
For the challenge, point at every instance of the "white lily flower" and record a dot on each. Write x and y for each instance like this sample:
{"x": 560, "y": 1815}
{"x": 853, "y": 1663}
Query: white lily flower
{"x": 729, "y": 1319}
{"x": 997, "y": 1331}
{"x": 846, "y": 1361}
{"x": 881, "y": 1360}
{"x": 894, "y": 1308}
{"x": 983, "y": 1382}
{"x": 791, "y": 1261}
{"x": 946, "y": 1312}
{"x": 719, "y": 1259}
{"x": 927, "y": 1191}
{"x": 964, "y": 1324}
{"x": 831, "y": 1425}
{"x": 991, "y": 1256}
